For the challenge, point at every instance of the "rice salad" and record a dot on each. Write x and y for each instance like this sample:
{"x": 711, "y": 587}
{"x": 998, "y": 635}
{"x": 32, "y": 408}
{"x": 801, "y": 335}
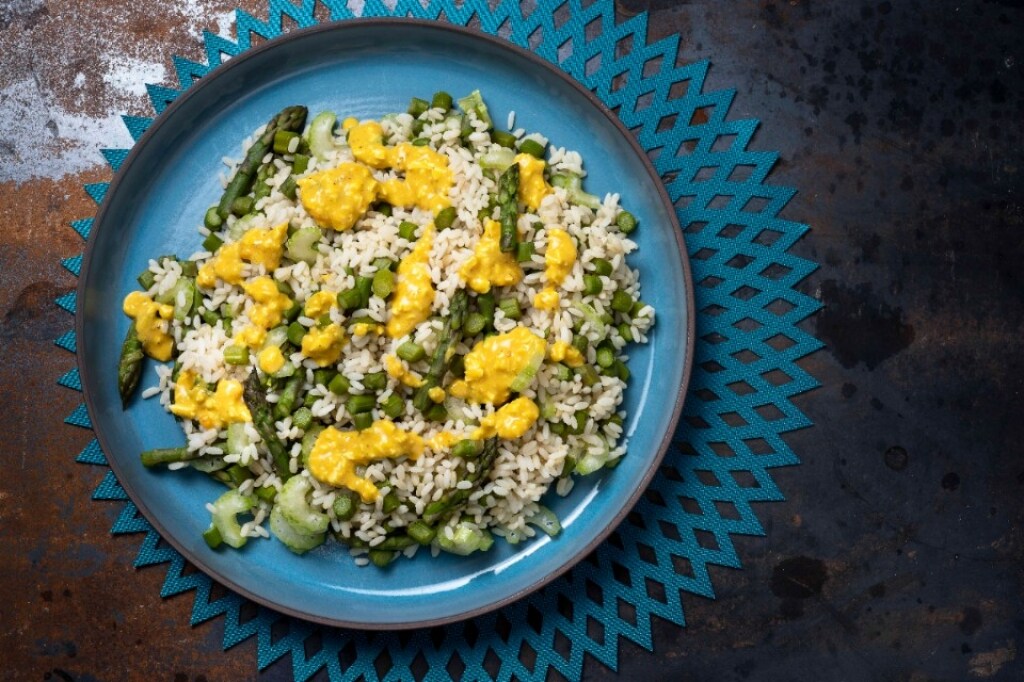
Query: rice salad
{"x": 399, "y": 333}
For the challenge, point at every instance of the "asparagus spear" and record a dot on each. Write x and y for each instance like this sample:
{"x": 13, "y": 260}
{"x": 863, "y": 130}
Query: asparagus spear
{"x": 263, "y": 420}
{"x": 508, "y": 190}
{"x": 450, "y": 335}
{"x": 457, "y": 497}
{"x": 151, "y": 458}
{"x": 290, "y": 118}
{"x": 129, "y": 367}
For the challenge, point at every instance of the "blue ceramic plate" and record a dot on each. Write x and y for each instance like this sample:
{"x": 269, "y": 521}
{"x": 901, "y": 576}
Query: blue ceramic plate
{"x": 366, "y": 69}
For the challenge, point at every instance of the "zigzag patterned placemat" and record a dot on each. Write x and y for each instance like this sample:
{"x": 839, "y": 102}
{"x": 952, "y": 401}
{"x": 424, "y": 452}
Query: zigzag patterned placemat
{"x": 738, "y": 407}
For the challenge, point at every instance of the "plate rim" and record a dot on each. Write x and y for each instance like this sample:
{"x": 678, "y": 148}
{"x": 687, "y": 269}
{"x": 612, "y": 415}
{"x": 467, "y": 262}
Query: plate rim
{"x": 219, "y": 72}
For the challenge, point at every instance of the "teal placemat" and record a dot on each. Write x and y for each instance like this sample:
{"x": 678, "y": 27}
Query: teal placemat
{"x": 738, "y": 407}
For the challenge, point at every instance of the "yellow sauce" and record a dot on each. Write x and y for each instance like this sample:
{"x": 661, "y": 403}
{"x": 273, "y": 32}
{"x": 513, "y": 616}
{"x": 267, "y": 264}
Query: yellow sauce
{"x": 547, "y": 299}
{"x": 271, "y": 359}
{"x": 211, "y": 410}
{"x": 494, "y": 363}
{"x": 320, "y": 303}
{"x": 436, "y": 394}
{"x": 323, "y": 346}
{"x": 532, "y": 185}
{"x": 427, "y": 178}
{"x": 151, "y": 324}
{"x": 269, "y": 306}
{"x": 414, "y": 293}
{"x": 443, "y": 440}
{"x": 364, "y": 328}
{"x": 510, "y": 421}
{"x": 489, "y": 265}
{"x": 349, "y": 123}
{"x": 336, "y": 454}
{"x": 397, "y": 369}
{"x": 258, "y": 246}
{"x": 559, "y": 257}
{"x": 561, "y": 351}
{"x": 338, "y": 197}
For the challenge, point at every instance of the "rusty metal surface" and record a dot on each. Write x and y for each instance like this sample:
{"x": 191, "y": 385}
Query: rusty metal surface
{"x": 898, "y": 554}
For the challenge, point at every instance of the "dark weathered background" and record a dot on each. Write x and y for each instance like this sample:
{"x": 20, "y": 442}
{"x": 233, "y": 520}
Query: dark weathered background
{"x": 898, "y": 554}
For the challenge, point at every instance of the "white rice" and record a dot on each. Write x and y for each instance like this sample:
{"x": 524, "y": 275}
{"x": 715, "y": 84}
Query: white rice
{"x": 524, "y": 470}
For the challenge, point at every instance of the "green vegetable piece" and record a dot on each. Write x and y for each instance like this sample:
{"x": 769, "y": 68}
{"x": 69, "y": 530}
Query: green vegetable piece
{"x": 467, "y": 448}
{"x": 309, "y": 440}
{"x": 212, "y": 219}
{"x": 528, "y": 373}
{"x": 546, "y": 520}
{"x": 475, "y": 323}
{"x": 339, "y": 385}
{"x": 562, "y": 372}
{"x": 291, "y": 537}
{"x": 288, "y": 397}
{"x": 362, "y": 421}
{"x": 417, "y": 106}
{"x": 296, "y": 332}
{"x": 267, "y": 493}
{"x": 474, "y": 102}
{"x": 383, "y": 283}
{"x": 364, "y": 285}
{"x": 508, "y": 206}
{"x": 510, "y": 307}
{"x": 393, "y": 406}
{"x": 635, "y": 309}
{"x": 626, "y": 222}
{"x": 291, "y": 118}
{"x": 420, "y": 142}
{"x": 212, "y": 243}
{"x": 381, "y": 558}
{"x": 626, "y": 332}
{"x": 602, "y": 267}
{"x": 302, "y": 418}
{"x": 445, "y": 218}
{"x": 407, "y": 230}
{"x": 465, "y": 540}
{"x": 436, "y": 413}
{"x": 289, "y": 187}
{"x": 360, "y": 404}
{"x": 621, "y": 370}
{"x": 588, "y": 375}
{"x": 383, "y": 207}
{"x": 592, "y": 285}
{"x": 236, "y": 355}
{"x": 321, "y": 134}
{"x": 524, "y": 252}
{"x": 621, "y": 301}
{"x": 242, "y": 205}
{"x": 129, "y": 365}
{"x": 294, "y": 504}
{"x": 146, "y": 279}
{"x": 450, "y": 335}
{"x": 349, "y": 300}
{"x": 505, "y": 139}
{"x": 151, "y": 458}
{"x": 605, "y": 356}
{"x": 299, "y": 164}
{"x": 224, "y": 516}
{"x": 391, "y": 502}
{"x": 263, "y": 421}
{"x": 421, "y": 532}
{"x": 302, "y": 246}
{"x": 283, "y": 140}
{"x": 344, "y": 505}
{"x": 212, "y": 537}
{"x": 411, "y": 352}
{"x": 457, "y": 366}
{"x": 375, "y": 381}
{"x": 441, "y": 100}
{"x": 532, "y": 147}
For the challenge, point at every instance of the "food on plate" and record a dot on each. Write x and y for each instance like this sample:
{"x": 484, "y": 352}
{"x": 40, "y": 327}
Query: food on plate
{"x": 397, "y": 333}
